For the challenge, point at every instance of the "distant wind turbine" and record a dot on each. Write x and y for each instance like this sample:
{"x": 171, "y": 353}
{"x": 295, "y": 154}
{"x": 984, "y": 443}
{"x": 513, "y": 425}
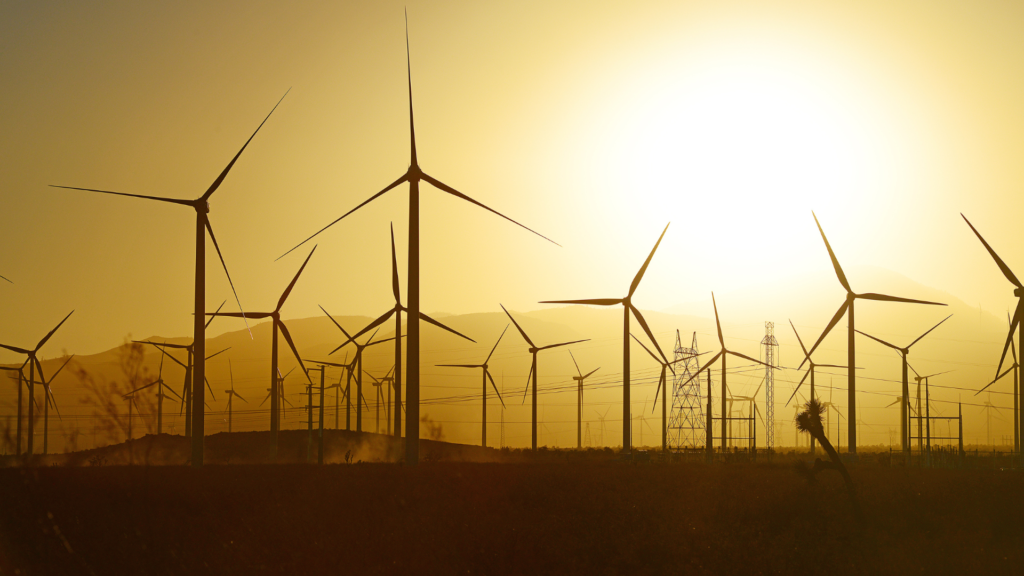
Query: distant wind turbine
{"x": 662, "y": 389}
{"x": 534, "y": 349}
{"x": 847, "y": 307}
{"x": 579, "y": 399}
{"x": 486, "y": 376}
{"x": 232, "y": 394}
{"x": 33, "y": 363}
{"x": 278, "y": 326}
{"x": 50, "y": 401}
{"x": 159, "y": 383}
{"x": 357, "y": 361}
{"x": 810, "y": 371}
{"x": 627, "y": 306}
{"x": 413, "y": 176}
{"x": 904, "y": 352}
{"x": 202, "y": 207}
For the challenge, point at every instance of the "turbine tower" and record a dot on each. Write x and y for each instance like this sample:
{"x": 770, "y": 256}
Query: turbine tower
{"x": 627, "y": 307}
{"x": 202, "y": 207}
{"x": 579, "y": 400}
{"x": 413, "y": 176}
{"x": 485, "y": 376}
{"x": 851, "y": 348}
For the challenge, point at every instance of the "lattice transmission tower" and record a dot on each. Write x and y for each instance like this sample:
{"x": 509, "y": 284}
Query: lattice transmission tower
{"x": 686, "y": 423}
{"x": 771, "y": 358}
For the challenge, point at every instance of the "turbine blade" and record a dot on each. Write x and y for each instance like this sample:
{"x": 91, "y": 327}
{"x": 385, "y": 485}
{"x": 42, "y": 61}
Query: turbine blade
{"x": 661, "y": 381}
{"x": 209, "y": 229}
{"x": 640, "y": 275}
{"x": 1017, "y": 314}
{"x": 291, "y": 285}
{"x": 574, "y": 363}
{"x": 705, "y": 367}
{"x": 721, "y": 339}
{"x": 647, "y": 329}
{"x": 656, "y": 359}
{"x": 460, "y": 365}
{"x": 831, "y": 324}
{"x": 528, "y": 379}
{"x": 164, "y": 352}
{"x": 561, "y": 344}
{"x": 518, "y": 327}
{"x": 15, "y": 349}
{"x": 999, "y": 261}
{"x": 403, "y": 178}
{"x": 744, "y": 356}
{"x": 592, "y": 301}
{"x": 158, "y": 198}
{"x": 216, "y": 353}
{"x": 791, "y": 396}
{"x": 495, "y": 386}
{"x": 832, "y": 255}
{"x": 887, "y": 298}
{"x": 880, "y": 341}
{"x": 394, "y": 270}
{"x": 239, "y": 396}
{"x": 802, "y": 347}
{"x": 208, "y": 387}
{"x": 220, "y": 178}
{"x": 929, "y": 330}
{"x": 446, "y": 188}
{"x": 997, "y": 378}
{"x": 291, "y": 344}
{"x": 265, "y": 400}
{"x": 895, "y": 402}
{"x": 51, "y": 332}
{"x": 430, "y": 320}
{"x": 589, "y": 373}
{"x": 496, "y": 345}
{"x": 5, "y": 278}
{"x": 408, "y": 68}
{"x": 214, "y": 315}
{"x": 250, "y": 315}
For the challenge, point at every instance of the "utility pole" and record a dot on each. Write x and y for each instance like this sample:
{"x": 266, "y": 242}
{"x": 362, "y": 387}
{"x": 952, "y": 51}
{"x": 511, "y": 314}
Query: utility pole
{"x": 771, "y": 359}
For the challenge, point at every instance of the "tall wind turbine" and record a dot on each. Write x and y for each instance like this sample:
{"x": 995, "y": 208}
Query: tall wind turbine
{"x": 534, "y": 349}
{"x": 662, "y": 389}
{"x": 1018, "y": 314}
{"x": 627, "y": 307}
{"x": 33, "y": 363}
{"x": 413, "y": 176}
{"x": 49, "y": 401}
{"x": 810, "y": 371}
{"x": 202, "y": 207}
{"x": 579, "y": 399}
{"x": 357, "y": 362}
{"x": 485, "y": 376}
{"x": 397, "y": 310}
{"x": 278, "y": 326}
{"x": 904, "y": 352}
{"x": 847, "y": 307}
{"x": 723, "y": 353}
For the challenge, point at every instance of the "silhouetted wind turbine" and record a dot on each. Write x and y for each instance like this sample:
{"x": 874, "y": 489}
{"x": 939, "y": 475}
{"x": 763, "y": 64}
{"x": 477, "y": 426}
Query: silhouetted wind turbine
{"x": 397, "y": 310}
{"x": 1016, "y": 416}
{"x": 1018, "y": 314}
{"x": 579, "y": 399}
{"x": 925, "y": 413}
{"x": 627, "y": 305}
{"x": 347, "y": 367}
{"x": 33, "y": 363}
{"x": 847, "y": 307}
{"x": 904, "y": 352}
{"x": 231, "y": 394}
{"x": 186, "y": 394}
{"x": 725, "y": 393}
{"x": 278, "y": 326}
{"x": 49, "y": 401}
{"x": 358, "y": 363}
{"x": 810, "y": 371}
{"x": 21, "y": 385}
{"x": 413, "y": 176}
{"x": 159, "y": 383}
{"x": 485, "y": 376}
{"x": 534, "y": 349}
{"x": 202, "y": 207}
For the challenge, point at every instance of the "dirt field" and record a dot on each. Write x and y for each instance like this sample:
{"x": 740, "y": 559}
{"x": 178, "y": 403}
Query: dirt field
{"x": 480, "y": 518}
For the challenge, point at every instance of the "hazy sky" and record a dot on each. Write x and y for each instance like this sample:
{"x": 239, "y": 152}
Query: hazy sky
{"x": 594, "y": 123}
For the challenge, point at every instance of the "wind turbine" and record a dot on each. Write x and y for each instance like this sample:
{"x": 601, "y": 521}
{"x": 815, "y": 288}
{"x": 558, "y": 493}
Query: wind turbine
{"x": 723, "y": 353}
{"x": 186, "y": 395}
{"x": 927, "y": 409}
{"x": 49, "y": 401}
{"x": 357, "y": 361}
{"x": 33, "y": 363}
{"x": 579, "y": 398}
{"x": 851, "y": 349}
{"x": 347, "y": 367}
{"x": 278, "y": 326}
{"x": 485, "y": 376}
{"x": 534, "y": 350}
{"x": 810, "y": 371}
{"x": 413, "y": 176}
{"x": 231, "y": 394}
{"x": 21, "y": 384}
{"x": 627, "y": 305}
{"x": 202, "y": 207}
{"x": 397, "y": 310}
{"x": 662, "y": 389}
{"x": 600, "y": 418}
{"x": 752, "y": 402}
{"x": 159, "y": 383}
{"x": 904, "y": 352}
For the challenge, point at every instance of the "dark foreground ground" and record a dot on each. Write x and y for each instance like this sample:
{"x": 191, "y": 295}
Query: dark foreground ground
{"x": 479, "y": 518}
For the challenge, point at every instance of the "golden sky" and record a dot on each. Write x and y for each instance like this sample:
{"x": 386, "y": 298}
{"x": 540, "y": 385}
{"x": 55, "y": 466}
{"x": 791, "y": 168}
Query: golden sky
{"x": 594, "y": 123}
